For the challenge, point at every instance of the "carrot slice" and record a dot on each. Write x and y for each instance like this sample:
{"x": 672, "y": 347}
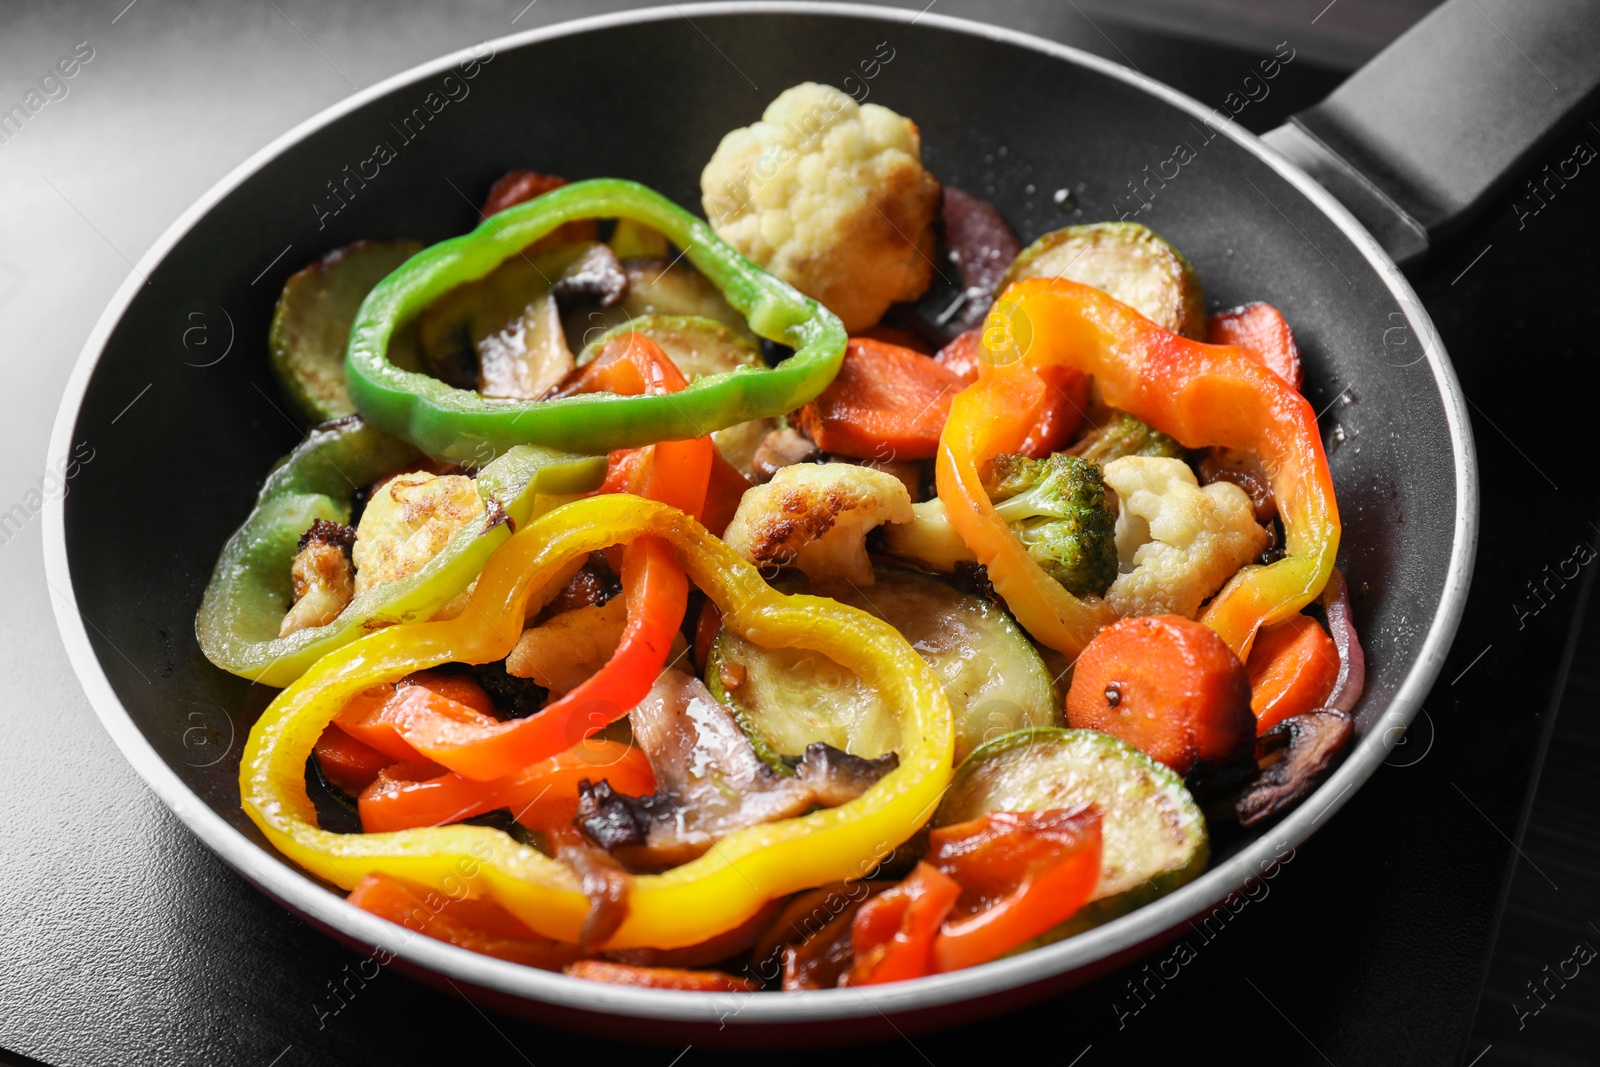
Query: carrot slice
{"x": 1260, "y": 330}
{"x": 1292, "y": 667}
{"x": 349, "y": 764}
{"x": 887, "y": 402}
{"x": 477, "y": 925}
{"x": 1169, "y": 687}
{"x": 661, "y": 977}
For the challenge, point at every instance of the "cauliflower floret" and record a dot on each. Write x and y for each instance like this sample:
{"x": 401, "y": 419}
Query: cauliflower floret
{"x": 1176, "y": 542}
{"x": 561, "y": 653}
{"x": 321, "y": 576}
{"x": 815, "y": 516}
{"x": 408, "y": 521}
{"x": 830, "y": 196}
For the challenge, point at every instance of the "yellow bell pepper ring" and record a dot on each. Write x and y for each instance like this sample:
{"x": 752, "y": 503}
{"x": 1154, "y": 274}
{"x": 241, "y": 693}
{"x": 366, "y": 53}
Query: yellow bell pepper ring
{"x": 682, "y": 906}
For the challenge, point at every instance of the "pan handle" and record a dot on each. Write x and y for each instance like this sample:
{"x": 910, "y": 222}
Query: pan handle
{"x": 1417, "y": 141}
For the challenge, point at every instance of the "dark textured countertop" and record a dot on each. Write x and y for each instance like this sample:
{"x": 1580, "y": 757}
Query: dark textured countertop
{"x": 123, "y": 940}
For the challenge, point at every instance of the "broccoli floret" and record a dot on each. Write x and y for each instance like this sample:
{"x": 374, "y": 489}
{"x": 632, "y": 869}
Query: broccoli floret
{"x": 1125, "y": 435}
{"x": 1056, "y": 506}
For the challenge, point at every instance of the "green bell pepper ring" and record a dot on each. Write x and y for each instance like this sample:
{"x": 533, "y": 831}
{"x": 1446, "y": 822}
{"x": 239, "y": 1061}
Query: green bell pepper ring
{"x": 250, "y": 589}
{"x": 456, "y": 424}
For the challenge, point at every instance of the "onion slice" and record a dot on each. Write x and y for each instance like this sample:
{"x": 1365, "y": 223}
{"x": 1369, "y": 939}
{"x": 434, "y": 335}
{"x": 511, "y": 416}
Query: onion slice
{"x": 1352, "y": 678}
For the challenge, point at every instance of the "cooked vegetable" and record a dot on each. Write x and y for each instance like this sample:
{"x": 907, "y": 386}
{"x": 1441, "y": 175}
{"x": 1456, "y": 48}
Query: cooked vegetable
{"x": 1124, "y": 435}
{"x": 815, "y": 516}
{"x": 476, "y": 925}
{"x": 1129, "y": 262}
{"x": 1245, "y": 471}
{"x": 1167, "y": 686}
{"x": 831, "y": 197}
{"x": 245, "y": 601}
{"x": 1352, "y": 679}
{"x": 1056, "y": 507}
{"x": 1203, "y": 395}
{"x": 982, "y": 247}
{"x": 519, "y": 186}
{"x": 716, "y": 892}
{"x": 1293, "y": 757}
{"x": 886, "y": 403}
{"x": 561, "y": 653}
{"x": 780, "y": 449}
{"x": 322, "y": 576}
{"x": 1293, "y": 666}
{"x": 787, "y": 698}
{"x": 1260, "y": 330}
{"x": 452, "y": 423}
{"x": 700, "y": 347}
{"x": 1154, "y": 835}
{"x": 1021, "y": 874}
{"x": 711, "y": 782}
{"x": 407, "y": 795}
{"x": 963, "y": 355}
{"x": 408, "y": 520}
{"x": 893, "y": 934}
{"x": 349, "y": 765}
{"x": 661, "y": 977}
{"x": 634, "y": 240}
{"x": 492, "y": 332}
{"x": 1177, "y": 543}
{"x": 311, "y": 324}
{"x": 657, "y": 286}
{"x": 655, "y": 590}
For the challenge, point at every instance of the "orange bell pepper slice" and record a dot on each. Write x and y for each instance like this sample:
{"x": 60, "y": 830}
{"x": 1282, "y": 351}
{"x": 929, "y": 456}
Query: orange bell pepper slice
{"x": 1202, "y": 395}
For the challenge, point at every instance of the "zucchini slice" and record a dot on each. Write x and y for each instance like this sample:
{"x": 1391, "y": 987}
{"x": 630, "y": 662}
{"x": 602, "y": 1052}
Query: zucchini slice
{"x": 701, "y": 346}
{"x": 311, "y": 324}
{"x": 1154, "y": 834}
{"x": 785, "y": 699}
{"x": 1127, "y": 260}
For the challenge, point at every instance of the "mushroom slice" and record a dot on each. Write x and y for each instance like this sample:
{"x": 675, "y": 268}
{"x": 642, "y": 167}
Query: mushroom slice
{"x": 1292, "y": 757}
{"x": 710, "y": 782}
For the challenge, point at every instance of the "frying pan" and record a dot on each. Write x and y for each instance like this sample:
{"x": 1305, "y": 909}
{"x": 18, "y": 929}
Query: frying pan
{"x": 173, "y": 394}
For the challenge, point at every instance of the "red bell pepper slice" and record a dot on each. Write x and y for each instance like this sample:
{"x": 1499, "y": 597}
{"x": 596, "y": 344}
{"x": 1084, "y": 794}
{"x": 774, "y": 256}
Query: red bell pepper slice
{"x": 893, "y": 934}
{"x": 673, "y": 472}
{"x": 1022, "y": 873}
{"x": 349, "y": 764}
{"x": 405, "y": 796}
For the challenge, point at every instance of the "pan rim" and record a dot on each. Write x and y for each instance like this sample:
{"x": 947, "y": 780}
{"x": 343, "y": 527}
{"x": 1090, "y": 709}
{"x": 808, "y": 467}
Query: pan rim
{"x": 288, "y": 884}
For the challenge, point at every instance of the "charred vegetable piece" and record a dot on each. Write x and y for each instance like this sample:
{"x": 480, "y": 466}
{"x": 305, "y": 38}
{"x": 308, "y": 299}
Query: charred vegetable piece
{"x": 981, "y": 245}
{"x": 311, "y": 324}
{"x": 1153, "y": 832}
{"x": 709, "y": 780}
{"x": 527, "y": 358}
{"x": 324, "y": 579}
{"x": 1293, "y": 757}
{"x": 1126, "y": 260}
{"x": 1260, "y": 330}
{"x": 1168, "y": 686}
{"x": 786, "y": 699}
{"x": 1244, "y": 470}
